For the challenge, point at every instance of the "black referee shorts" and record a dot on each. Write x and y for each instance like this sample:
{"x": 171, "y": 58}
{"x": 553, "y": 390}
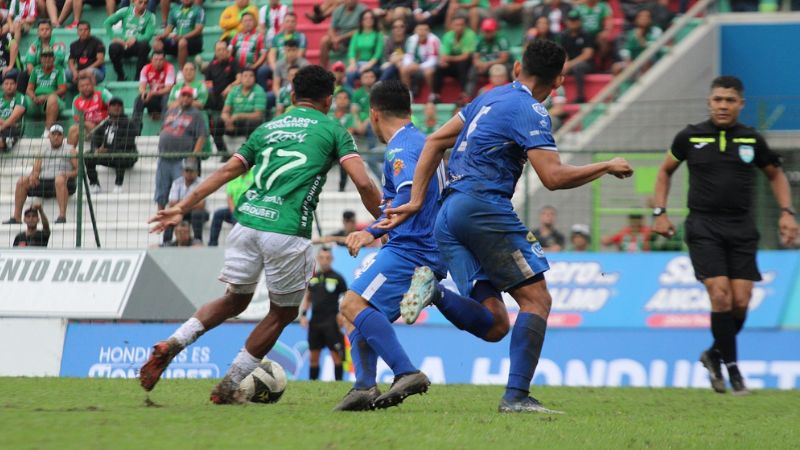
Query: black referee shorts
{"x": 325, "y": 335}
{"x": 723, "y": 246}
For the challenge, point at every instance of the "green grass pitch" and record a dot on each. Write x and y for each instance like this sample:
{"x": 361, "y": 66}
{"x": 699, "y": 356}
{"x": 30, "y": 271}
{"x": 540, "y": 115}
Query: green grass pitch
{"x": 111, "y": 414}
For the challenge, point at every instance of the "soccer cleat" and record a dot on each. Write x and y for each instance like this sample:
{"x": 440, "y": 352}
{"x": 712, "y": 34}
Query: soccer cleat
{"x": 526, "y": 405}
{"x": 162, "y": 354}
{"x": 423, "y": 291}
{"x": 403, "y": 386}
{"x": 359, "y": 399}
{"x": 711, "y": 361}
{"x": 226, "y": 392}
{"x": 737, "y": 385}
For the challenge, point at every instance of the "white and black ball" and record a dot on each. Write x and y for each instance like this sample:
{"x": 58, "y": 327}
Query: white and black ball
{"x": 265, "y": 384}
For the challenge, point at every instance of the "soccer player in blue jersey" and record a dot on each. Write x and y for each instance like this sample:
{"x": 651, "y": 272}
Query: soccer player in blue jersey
{"x": 481, "y": 240}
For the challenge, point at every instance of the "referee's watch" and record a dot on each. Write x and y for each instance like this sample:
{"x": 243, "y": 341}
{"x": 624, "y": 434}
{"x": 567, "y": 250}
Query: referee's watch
{"x": 789, "y": 211}
{"x": 657, "y": 211}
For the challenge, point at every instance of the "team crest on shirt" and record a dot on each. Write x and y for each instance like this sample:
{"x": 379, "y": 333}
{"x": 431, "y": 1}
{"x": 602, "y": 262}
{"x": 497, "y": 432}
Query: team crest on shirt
{"x": 537, "y": 249}
{"x": 540, "y": 109}
{"x": 747, "y": 153}
{"x": 398, "y": 166}
{"x": 330, "y": 284}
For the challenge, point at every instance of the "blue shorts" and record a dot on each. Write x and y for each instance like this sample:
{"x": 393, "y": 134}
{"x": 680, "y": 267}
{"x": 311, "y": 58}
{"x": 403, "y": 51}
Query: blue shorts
{"x": 479, "y": 240}
{"x": 386, "y": 279}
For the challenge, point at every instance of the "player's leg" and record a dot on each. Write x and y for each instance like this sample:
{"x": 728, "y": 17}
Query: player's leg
{"x": 334, "y": 341}
{"x": 315, "y": 343}
{"x": 742, "y": 291}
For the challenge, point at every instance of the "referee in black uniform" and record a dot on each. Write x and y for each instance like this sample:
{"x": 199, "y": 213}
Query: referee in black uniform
{"x": 722, "y": 156}
{"x": 324, "y": 290}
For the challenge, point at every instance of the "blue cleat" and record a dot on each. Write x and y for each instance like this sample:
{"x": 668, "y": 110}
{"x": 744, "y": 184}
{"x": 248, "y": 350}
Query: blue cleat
{"x": 423, "y": 291}
{"x": 525, "y": 405}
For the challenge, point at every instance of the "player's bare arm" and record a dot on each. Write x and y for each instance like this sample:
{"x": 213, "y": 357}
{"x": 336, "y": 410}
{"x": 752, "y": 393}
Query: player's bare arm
{"x": 356, "y": 240}
{"x": 370, "y": 194}
{"x": 662, "y": 224}
{"x": 430, "y": 158}
{"x": 787, "y": 223}
{"x": 556, "y": 175}
{"x": 173, "y": 215}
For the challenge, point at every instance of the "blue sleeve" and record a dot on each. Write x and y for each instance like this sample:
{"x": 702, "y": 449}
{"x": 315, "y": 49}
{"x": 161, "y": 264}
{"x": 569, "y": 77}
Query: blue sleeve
{"x": 403, "y": 196}
{"x": 389, "y": 190}
{"x": 402, "y": 170}
{"x": 466, "y": 112}
{"x": 530, "y": 127}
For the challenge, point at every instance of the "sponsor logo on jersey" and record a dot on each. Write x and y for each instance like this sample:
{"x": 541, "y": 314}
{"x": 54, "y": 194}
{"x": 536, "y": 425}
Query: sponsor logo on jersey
{"x": 390, "y": 154}
{"x": 540, "y": 109}
{"x": 747, "y": 153}
{"x": 283, "y": 136}
{"x": 398, "y": 166}
{"x": 537, "y": 250}
{"x": 291, "y": 122}
{"x": 259, "y": 211}
{"x": 700, "y": 145}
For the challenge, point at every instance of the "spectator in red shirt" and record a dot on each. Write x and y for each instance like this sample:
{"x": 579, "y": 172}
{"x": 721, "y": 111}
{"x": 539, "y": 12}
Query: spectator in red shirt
{"x": 155, "y": 83}
{"x": 92, "y": 102}
{"x": 633, "y": 238}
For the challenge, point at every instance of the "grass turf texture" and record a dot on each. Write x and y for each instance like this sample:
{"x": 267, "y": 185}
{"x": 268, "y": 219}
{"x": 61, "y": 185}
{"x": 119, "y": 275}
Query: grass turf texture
{"x": 101, "y": 413}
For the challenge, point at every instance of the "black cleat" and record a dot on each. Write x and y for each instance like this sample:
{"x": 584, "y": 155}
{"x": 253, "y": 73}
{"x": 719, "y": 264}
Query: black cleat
{"x": 737, "y": 384}
{"x": 403, "y": 386}
{"x": 359, "y": 400}
{"x": 526, "y": 405}
{"x": 711, "y": 361}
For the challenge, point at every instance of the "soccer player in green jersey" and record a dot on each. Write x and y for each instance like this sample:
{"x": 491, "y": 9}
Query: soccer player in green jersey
{"x": 290, "y": 157}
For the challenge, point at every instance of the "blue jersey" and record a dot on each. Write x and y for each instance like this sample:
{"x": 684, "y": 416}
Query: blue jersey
{"x": 500, "y": 126}
{"x": 416, "y": 234}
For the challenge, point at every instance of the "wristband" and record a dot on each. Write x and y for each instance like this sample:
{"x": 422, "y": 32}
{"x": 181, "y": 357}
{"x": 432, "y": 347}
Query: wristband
{"x": 789, "y": 211}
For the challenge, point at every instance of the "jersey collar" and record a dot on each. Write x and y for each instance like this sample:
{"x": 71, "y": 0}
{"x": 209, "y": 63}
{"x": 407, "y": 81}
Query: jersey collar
{"x": 518, "y": 85}
{"x": 409, "y": 124}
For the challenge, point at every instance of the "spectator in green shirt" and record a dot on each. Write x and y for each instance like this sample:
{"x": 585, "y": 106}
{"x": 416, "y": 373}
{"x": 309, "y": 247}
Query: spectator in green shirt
{"x": 284, "y": 100}
{"x": 349, "y": 116}
{"x": 429, "y": 122}
{"x": 234, "y": 190}
{"x": 492, "y": 49}
{"x": 244, "y": 107}
{"x": 189, "y": 71}
{"x": 476, "y": 10}
{"x": 344, "y": 24}
{"x": 183, "y": 35}
{"x": 133, "y": 40}
{"x": 365, "y": 49}
{"x": 597, "y": 18}
{"x": 642, "y": 35}
{"x": 46, "y": 89}
{"x": 360, "y": 99}
{"x": 455, "y": 58}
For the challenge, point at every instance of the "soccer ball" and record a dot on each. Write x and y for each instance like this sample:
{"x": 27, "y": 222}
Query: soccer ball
{"x": 265, "y": 384}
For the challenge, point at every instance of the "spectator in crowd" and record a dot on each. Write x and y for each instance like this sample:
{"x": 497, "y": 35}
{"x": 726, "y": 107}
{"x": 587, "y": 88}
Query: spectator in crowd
{"x": 138, "y": 26}
{"x": 92, "y": 103}
{"x": 323, "y": 10}
{"x": 183, "y": 130}
{"x": 350, "y": 116}
{"x": 44, "y": 42}
{"x": 221, "y": 77}
{"x": 76, "y": 8}
{"x": 276, "y": 53}
{"x": 516, "y": 11}
{"x": 580, "y": 238}
{"x": 183, "y": 186}
{"x": 32, "y": 236}
{"x": 231, "y": 19}
{"x": 422, "y": 56}
{"x": 640, "y": 37}
{"x": 183, "y": 237}
{"x": 348, "y": 226}
{"x": 498, "y": 76}
{"x": 394, "y": 47}
{"x": 390, "y": 10}
{"x": 10, "y": 62}
{"x": 633, "y": 238}
{"x": 87, "y": 55}
{"x": 344, "y": 24}
{"x": 580, "y": 50}
{"x": 455, "y": 60}
{"x": 607, "y": 58}
{"x": 555, "y": 106}
{"x": 432, "y": 12}
{"x": 596, "y": 18}
{"x": 339, "y": 78}
{"x": 271, "y": 17}
{"x": 662, "y": 14}
{"x": 155, "y": 82}
{"x": 493, "y": 48}
{"x": 284, "y": 99}
{"x": 429, "y": 122}
{"x": 53, "y": 175}
{"x": 248, "y": 45}
{"x": 113, "y": 145}
{"x": 366, "y": 48}
{"x": 13, "y": 106}
{"x": 46, "y": 90}
{"x": 234, "y": 190}
{"x": 548, "y": 236}
{"x": 22, "y": 16}
{"x": 360, "y": 96}
{"x": 190, "y": 80}
{"x": 183, "y": 35}
{"x": 244, "y": 110}
{"x": 541, "y": 30}
{"x": 475, "y": 10}
{"x": 556, "y": 12}
{"x": 291, "y": 58}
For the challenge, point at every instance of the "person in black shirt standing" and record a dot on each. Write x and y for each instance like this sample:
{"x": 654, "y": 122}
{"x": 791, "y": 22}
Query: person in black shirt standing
{"x": 579, "y": 46}
{"x": 221, "y": 76}
{"x": 324, "y": 290}
{"x": 32, "y": 237}
{"x": 722, "y": 155}
{"x": 87, "y": 54}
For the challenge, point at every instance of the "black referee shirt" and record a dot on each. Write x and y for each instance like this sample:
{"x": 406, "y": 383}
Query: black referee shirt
{"x": 325, "y": 289}
{"x": 721, "y": 166}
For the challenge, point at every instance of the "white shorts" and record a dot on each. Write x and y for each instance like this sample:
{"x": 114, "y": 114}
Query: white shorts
{"x": 287, "y": 261}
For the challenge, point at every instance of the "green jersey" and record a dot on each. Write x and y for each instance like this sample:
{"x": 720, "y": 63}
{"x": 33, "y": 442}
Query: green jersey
{"x": 280, "y": 40}
{"x": 7, "y": 107}
{"x": 46, "y": 83}
{"x": 346, "y": 120}
{"x": 285, "y": 96}
{"x": 33, "y": 57}
{"x": 361, "y": 98}
{"x": 256, "y": 100}
{"x": 183, "y": 20}
{"x": 457, "y": 47}
{"x": 290, "y": 156}
{"x": 239, "y": 185}
{"x": 482, "y": 4}
{"x": 593, "y": 17}
{"x": 142, "y": 28}
{"x": 491, "y": 50}
{"x": 200, "y": 91}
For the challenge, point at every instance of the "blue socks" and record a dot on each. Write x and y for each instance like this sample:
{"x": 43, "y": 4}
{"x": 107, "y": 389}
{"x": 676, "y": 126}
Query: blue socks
{"x": 527, "y": 338}
{"x": 465, "y": 313}
{"x": 379, "y": 334}
{"x": 365, "y": 361}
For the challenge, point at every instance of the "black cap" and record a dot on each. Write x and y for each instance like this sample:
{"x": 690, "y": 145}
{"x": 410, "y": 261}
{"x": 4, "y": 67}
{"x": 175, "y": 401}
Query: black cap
{"x": 10, "y": 76}
{"x": 574, "y": 15}
{"x": 115, "y": 101}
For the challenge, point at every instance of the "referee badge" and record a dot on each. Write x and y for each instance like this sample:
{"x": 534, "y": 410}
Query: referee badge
{"x": 330, "y": 284}
{"x": 747, "y": 153}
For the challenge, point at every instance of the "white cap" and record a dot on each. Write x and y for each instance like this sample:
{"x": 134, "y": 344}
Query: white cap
{"x": 56, "y": 128}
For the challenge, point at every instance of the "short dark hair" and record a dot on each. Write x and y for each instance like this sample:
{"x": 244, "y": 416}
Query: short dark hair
{"x": 728, "y": 82}
{"x": 30, "y": 211}
{"x": 290, "y": 13}
{"x": 157, "y": 52}
{"x": 391, "y": 97}
{"x": 44, "y": 22}
{"x": 83, "y": 22}
{"x": 291, "y": 43}
{"x": 544, "y": 60}
{"x": 348, "y": 215}
{"x": 248, "y": 13}
{"x": 313, "y": 83}
{"x": 249, "y": 69}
